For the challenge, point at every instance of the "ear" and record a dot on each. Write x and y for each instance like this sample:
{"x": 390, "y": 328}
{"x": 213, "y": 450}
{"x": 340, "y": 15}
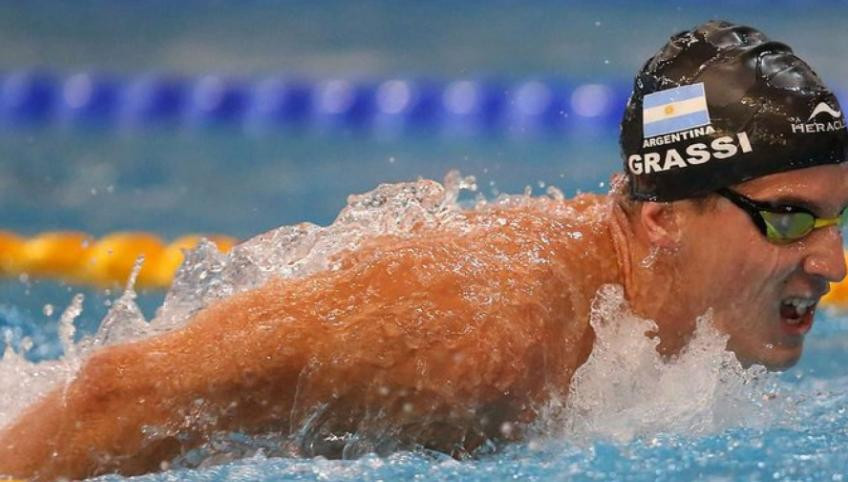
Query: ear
{"x": 659, "y": 224}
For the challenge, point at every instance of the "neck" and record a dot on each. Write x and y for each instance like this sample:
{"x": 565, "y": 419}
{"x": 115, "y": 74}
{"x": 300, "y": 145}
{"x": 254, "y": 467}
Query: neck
{"x": 651, "y": 282}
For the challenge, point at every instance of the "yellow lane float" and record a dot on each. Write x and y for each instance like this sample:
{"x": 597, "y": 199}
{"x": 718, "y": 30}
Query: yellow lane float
{"x": 79, "y": 258}
{"x": 837, "y": 297}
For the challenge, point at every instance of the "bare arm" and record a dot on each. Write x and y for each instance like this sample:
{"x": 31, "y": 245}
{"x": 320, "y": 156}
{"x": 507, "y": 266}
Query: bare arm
{"x": 442, "y": 338}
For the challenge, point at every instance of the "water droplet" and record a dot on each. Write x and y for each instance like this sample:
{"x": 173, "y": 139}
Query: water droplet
{"x": 47, "y": 310}
{"x": 67, "y": 328}
{"x": 554, "y": 193}
{"x": 650, "y": 259}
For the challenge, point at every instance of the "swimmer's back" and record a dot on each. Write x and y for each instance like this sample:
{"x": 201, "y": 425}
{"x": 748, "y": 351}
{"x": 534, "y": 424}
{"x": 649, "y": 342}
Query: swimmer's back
{"x": 455, "y": 330}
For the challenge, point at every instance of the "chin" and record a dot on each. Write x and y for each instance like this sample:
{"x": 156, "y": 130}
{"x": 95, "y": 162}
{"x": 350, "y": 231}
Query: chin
{"x": 775, "y": 359}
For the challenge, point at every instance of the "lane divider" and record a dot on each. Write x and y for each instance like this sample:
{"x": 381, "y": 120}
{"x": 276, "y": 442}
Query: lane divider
{"x": 272, "y": 103}
{"x": 292, "y": 103}
{"x": 78, "y": 258}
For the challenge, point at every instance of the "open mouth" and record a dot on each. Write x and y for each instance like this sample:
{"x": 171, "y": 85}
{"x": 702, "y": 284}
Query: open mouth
{"x": 796, "y": 314}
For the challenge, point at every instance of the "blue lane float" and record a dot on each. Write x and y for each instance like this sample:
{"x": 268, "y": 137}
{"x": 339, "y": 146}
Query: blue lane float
{"x": 151, "y": 99}
{"x": 388, "y": 107}
{"x": 28, "y": 98}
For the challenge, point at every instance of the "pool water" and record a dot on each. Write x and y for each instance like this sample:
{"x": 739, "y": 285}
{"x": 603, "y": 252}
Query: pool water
{"x": 804, "y": 442}
{"x": 700, "y": 416}
{"x": 747, "y": 426}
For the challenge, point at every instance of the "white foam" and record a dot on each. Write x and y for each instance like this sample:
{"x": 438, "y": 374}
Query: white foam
{"x": 627, "y": 390}
{"x": 23, "y": 382}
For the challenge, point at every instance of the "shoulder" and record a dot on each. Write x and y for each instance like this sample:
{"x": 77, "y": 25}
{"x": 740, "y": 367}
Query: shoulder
{"x": 499, "y": 249}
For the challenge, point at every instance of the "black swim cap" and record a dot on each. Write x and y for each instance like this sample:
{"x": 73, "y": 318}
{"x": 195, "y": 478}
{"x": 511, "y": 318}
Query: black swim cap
{"x": 722, "y": 104}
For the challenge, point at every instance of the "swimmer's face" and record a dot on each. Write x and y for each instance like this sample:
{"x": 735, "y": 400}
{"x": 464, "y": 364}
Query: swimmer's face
{"x": 764, "y": 295}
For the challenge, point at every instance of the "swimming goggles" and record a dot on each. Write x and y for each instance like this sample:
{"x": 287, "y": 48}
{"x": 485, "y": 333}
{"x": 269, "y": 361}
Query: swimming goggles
{"x": 782, "y": 223}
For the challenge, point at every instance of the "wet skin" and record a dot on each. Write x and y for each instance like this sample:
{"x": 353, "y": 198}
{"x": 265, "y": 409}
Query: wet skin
{"x": 443, "y": 339}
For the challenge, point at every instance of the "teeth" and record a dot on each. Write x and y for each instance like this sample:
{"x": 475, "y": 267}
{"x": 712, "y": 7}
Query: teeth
{"x": 801, "y": 306}
{"x": 793, "y": 321}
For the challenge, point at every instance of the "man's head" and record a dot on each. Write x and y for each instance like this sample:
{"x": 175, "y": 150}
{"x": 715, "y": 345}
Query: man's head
{"x": 733, "y": 149}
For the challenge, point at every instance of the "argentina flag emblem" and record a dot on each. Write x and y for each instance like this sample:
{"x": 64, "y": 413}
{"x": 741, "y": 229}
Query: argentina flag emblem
{"x": 674, "y": 110}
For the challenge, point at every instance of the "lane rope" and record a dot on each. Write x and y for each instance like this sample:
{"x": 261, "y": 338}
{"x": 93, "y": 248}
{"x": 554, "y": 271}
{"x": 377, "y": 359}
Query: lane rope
{"x": 271, "y": 103}
{"x": 34, "y": 97}
{"x": 78, "y": 258}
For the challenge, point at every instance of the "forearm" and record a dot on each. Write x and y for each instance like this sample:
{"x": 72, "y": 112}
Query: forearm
{"x": 86, "y": 425}
{"x": 128, "y": 403}
{"x": 27, "y": 445}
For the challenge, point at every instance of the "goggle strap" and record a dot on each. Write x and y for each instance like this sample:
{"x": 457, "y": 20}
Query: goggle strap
{"x": 824, "y": 222}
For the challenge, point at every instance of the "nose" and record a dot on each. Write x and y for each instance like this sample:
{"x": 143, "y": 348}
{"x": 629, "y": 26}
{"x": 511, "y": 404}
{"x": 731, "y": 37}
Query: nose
{"x": 826, "y": 257}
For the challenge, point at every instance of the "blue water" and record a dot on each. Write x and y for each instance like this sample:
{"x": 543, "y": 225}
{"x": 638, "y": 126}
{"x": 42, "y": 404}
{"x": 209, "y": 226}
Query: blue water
{"x": 222, "y": 181}
{"x": 225, "y": 182}
{"x": 811, "y": 453}
{"x": 172, "y": 184}
{"x": 810, "y": 446}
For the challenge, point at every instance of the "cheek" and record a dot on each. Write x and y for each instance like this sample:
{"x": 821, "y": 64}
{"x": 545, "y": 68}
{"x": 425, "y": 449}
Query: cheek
{"x": 713, "y": 247}
{"x": 734, "y": 264}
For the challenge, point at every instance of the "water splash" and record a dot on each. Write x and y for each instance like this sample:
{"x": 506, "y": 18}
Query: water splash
{"x": 627, "y": 390}
{"x": 623, "y": 391}
{"x": 299, "y": 250}
{"x": 22, "y": 382}
{"x": 124, "y": 321}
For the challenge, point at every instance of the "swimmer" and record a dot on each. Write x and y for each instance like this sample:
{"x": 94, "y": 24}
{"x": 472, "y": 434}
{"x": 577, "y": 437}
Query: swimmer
{"x": 731, "y": 203}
